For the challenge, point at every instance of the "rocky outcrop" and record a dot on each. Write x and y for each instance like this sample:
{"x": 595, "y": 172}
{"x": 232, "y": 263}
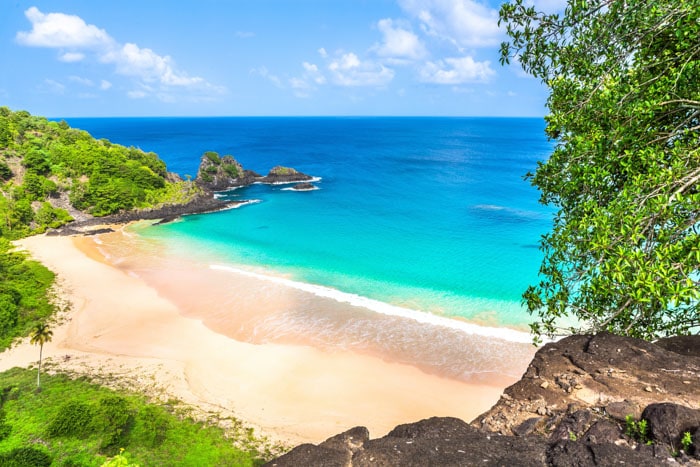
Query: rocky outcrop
{"x": 281, "y": 174}
{"x": 584, "y": 400}
{"x": 304, "y": 187}
{"x": 200, "y": 205}
{"x": 222, "y": 173}
{"x": 614, "y": 375}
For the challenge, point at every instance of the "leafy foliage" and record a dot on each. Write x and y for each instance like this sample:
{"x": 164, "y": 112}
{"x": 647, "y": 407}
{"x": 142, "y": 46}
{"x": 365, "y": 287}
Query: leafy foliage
{"x": 25, "y": 298}
{"x": 74, "y": 418}
{"x": 98, "y": 177}
{"x": 76, "y": 423}
{"x": 26, "y": 456}
{"x": 624, "y": 108}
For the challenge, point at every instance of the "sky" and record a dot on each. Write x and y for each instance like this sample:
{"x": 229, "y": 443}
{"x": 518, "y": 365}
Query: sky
{"x": 87, "y": 58}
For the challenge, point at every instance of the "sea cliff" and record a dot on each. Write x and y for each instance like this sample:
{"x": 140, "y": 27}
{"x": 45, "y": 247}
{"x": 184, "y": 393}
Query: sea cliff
{"x": 584, "y": 400}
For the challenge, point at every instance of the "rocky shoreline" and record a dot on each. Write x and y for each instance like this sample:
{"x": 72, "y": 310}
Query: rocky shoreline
{"x": 215, "y": 174}
{"x": 584, "y": 400}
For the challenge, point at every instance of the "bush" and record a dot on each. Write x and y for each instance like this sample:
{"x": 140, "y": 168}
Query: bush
{"x": 115, "y": 416}
{"x": 213, "y": 156}
{"x": 5, "y": 172}
{"x": 25, "y": 457}
{"x": 154, "y": 424}
{"x": 74, "y": 418}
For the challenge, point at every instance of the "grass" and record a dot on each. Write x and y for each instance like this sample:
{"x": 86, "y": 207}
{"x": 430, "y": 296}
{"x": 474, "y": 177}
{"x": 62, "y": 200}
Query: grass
{"x": 79, "y": 423}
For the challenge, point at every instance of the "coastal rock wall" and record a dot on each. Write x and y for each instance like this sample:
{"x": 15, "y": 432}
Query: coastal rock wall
{"x": 584, "y": 400}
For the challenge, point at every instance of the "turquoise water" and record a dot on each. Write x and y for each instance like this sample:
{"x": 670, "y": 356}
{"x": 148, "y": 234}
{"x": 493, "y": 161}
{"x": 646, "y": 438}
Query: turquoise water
{"x": 429, "y": 214}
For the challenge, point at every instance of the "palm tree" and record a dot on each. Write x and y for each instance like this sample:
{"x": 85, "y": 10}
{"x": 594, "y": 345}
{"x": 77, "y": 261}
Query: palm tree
{"x": 40, "y": 334}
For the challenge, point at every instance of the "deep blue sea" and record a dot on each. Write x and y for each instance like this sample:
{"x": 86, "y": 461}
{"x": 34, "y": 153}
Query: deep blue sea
{"x": 428, "y": 214}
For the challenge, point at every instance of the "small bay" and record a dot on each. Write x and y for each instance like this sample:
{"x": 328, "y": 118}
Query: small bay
{"x": 426, "y": 214}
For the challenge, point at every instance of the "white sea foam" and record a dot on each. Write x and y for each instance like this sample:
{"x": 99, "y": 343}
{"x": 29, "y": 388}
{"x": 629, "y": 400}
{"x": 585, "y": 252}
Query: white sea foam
{"x": 385, "y": 308}
{"x": 291, "y": 188}
{"x": 311, "y": 180}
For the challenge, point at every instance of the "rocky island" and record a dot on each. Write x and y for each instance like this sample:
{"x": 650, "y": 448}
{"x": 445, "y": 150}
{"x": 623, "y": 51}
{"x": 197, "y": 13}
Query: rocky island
{"x": 223, "y": 173}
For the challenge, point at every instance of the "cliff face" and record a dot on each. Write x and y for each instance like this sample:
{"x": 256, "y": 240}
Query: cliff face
{"x": 579, "y": 403}
{"x": 221, "y": 173}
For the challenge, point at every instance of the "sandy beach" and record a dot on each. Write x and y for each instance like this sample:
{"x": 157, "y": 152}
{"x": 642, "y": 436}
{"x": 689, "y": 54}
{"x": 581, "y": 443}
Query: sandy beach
{"x": 123, "y": 326}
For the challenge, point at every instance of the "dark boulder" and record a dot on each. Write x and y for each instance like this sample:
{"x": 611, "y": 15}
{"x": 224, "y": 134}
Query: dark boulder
{"x": 667, "y": 422}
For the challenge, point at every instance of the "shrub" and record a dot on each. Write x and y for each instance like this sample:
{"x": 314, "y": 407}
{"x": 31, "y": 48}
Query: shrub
{"x": 74, "y": 418}
{"x": 213, "y": 156}
{"x": 5, "y": 172}
{"x": 115, "y": 417}
{"x": 25, "y": 457}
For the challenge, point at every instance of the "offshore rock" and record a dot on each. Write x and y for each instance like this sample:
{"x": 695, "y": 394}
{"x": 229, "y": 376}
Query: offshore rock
{"x": 304, "y": 187}
{"x": 281, "y": 174}
{"x": 223, "y": 173}
{"x": 577, "y": 419}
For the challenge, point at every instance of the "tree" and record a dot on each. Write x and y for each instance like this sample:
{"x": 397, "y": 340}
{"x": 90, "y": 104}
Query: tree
{"x": 624, "y": 109}
{"x": 41, "y": 334}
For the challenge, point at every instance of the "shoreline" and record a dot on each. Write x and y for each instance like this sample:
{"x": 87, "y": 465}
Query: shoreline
{"x": 290, "y": 392}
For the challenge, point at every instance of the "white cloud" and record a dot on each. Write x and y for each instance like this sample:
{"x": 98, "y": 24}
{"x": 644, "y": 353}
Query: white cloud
{"x": 83, "y": 81}
{"x": 398, "y": 42}
{"x": 76, "y": 37}
{"x": 456, "y": 71}
{"x": 464, "y": 23}
{"x": 131, "y": 60}
{"x": 137, "y": 94}
{"x": 322, "y": 52}
{"x": 104, "y": 85}
{"x": 58, "y": 30}
{"x": 53, "y": 87}
{"x": 313, "y": 73}
{"x": 70, "y": 57}
{"x": 348, "y": 70}
{"x": 265, "y": 73}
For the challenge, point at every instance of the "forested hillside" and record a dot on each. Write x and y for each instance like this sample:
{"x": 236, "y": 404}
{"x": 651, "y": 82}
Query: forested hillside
{"x": 51, "y": 173}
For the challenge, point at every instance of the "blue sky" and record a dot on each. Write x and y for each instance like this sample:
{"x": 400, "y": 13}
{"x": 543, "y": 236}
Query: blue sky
{"x": 260, "y": 57}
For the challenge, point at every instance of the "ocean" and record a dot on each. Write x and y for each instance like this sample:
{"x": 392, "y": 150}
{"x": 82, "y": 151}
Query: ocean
{"x": 429, "y": 219}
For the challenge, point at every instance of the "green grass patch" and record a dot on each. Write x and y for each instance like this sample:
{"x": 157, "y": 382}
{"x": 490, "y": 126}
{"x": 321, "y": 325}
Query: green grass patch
{"x": 78, "y": 423}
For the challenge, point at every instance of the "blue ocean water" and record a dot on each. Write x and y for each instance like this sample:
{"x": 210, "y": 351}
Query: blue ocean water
{"x": 430, "y": 214}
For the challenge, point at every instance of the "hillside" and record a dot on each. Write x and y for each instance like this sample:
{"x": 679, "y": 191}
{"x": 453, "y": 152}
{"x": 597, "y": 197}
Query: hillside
{"x": 51, "y": 174}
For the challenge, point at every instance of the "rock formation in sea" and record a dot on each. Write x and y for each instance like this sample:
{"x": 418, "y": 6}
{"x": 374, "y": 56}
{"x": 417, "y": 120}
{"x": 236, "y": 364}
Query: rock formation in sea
{"x": 584, "y": 400}
{"x": 221, "y": 173}
{"x": 304, "y": 187}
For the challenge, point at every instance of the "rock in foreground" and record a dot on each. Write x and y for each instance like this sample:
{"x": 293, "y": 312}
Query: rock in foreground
{"x": 578, "y": 404}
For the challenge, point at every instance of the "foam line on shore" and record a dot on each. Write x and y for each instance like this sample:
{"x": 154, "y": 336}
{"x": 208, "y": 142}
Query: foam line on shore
{"x": 385, "y": 308}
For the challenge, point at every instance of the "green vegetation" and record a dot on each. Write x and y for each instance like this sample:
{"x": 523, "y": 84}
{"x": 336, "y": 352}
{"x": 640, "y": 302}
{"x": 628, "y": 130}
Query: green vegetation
{"x": 279, "y": 170}
{"x": 227, "y": 163}
{"x": 45, "y": 166}
{"x": 76, "y": 423}
{"x": 624, "y": 109}
{"x": 25, "y": 298}
{"x": 686, "y": 441}
{"x": 637, "y": 430}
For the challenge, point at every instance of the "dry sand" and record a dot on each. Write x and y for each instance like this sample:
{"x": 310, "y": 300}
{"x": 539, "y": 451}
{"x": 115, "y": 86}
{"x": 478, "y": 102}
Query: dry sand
{"x": 119, "y": 326}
